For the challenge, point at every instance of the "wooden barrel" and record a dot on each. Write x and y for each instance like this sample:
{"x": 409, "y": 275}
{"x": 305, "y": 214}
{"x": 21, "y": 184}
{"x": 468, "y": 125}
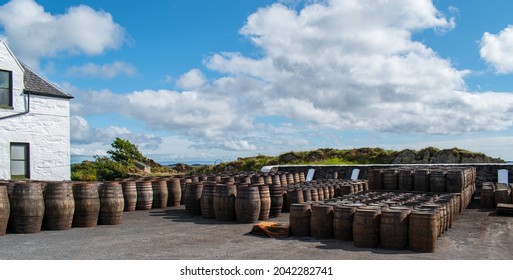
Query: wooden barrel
{"x": 247, "y": 203}
{"x": 437, "y": 180}
{"x": 487, "y": 200}
{"x": 433, "y": 207}
{"x": 320, "y": 193}
{"x": 265, "y": 202}
{"x": 59, "y": 206}
{"x": 321, "y": 221}
{"x": 87, "y": 204}
{"x": 455, "y": 180}
{"x": 343, "y": 217}
{"x": 283, "y": 180}
{"x": 160, "y": 194}
{"x": 314, "y": 194}
{"x": 174, "y": 192}
{"x": 290, "y": 179}
{"x": 376, "y": 179}
{"x": 183, "y": 185}
{"x": 224, "y": 202}
{"x": 299, "y": 219}
{"x": 405, "y": 180}
{"x": 502, "y": 193}
{"x": 112, "y": 203}
{"x": 307, "y": 195}
{"x": 193, "y": 193}
{"x": 276, "y": 200}
{"x": 207, "y": 200}
{"x": 390, "y": 179}
{"x": 421, "y": 180}
{"x": 366, "y": 227}
{"x": 422, "y": 231}
{"x": 144, "y": 195}
{"x": 5, "y": 209}
{"x": 27, "y": 208}
{"x": 129, "y": 195}
{"x": 393, "y": 228}
{"x": 294, "y": 195}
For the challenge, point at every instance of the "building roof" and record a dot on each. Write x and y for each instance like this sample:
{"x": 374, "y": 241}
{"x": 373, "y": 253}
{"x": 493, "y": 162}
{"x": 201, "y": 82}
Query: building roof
{"x": 37, "y": 85}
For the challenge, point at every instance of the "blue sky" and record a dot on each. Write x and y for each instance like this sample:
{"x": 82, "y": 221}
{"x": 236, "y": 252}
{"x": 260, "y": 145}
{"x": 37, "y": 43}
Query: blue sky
{"x": 194, "y": 80}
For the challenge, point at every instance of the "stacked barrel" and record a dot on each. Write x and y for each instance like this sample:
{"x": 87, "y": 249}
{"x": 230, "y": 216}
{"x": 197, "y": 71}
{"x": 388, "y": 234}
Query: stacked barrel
{"x": 493, "y": 193}
{"x": 437, "y": 179}
{"x": 391, "y": 220}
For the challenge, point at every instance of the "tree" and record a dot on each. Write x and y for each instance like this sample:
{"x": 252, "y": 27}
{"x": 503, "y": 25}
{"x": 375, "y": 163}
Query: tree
{"x": 125, "y": 151}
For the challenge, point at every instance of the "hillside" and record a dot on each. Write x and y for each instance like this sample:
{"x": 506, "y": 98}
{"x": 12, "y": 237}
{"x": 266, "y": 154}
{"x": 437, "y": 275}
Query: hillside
{"x": 354, "y": 156}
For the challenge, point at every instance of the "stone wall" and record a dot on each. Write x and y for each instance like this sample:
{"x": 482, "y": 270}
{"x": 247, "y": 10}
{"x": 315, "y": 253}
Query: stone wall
{"x": 484, "y": 172}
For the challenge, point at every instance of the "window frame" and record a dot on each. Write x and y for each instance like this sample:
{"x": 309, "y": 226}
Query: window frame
{"x": 10, "y": 91}
{"x": 26, "y": 160}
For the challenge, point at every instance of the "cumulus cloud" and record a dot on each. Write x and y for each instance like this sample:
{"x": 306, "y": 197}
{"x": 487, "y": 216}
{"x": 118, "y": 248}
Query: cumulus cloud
{"x": 34, "y": 33}
{"x": 497, "y": 50}
{"x": 354, "y": 64}
{"x": 83, "y": 134}
{"x": 331, "y": 65}
{"x": 193, "y": 79}
{"x": 105, "y": 71}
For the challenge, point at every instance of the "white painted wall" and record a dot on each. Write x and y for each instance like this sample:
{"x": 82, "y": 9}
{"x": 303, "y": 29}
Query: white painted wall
{"x": 46, "y": 128}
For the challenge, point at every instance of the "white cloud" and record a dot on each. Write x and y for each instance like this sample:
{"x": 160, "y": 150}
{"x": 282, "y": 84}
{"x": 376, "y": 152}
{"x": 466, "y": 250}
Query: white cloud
{"x": 83, "y": 134}
{"x": 329, "y": 65}
{"x": 193, "y": 79}
{"x": 34, "y": 33}
{"x": 497, "y": 50}
{"x": 106, "y": 71}
{"x": 323, "y": 68}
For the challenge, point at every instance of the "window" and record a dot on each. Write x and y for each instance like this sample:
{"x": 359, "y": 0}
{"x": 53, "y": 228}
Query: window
{"x": 20, "y": 161}
{"x": 5, "y": 88}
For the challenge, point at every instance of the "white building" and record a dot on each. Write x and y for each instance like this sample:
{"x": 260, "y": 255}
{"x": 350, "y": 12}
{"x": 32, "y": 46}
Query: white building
{"x": 34, "y": 123}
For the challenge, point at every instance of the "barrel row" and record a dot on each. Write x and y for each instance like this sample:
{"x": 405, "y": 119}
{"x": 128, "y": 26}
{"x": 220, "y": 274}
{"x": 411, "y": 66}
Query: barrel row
{"x": 439, "y": 179}
{"x": 397, "y": 227}
{"x": 495, "y": 193}
{"x": 29, "y": 207}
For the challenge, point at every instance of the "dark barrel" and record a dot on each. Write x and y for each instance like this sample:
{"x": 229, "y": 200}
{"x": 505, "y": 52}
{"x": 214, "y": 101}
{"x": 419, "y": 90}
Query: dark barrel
{"x": 343, "y": 217}
{"x": 27, "y": 208}
{"x": 405, "y": 181}
{"x": 5, "y": 209}
{"x": 112, "y": 203}
{"x": 59, "y": 206}
{"x": 294, "y": 195}
{"x": 160, "y": 193}
{"x": 393, "y": 228}
{"x": 207, "y": 200}
{"x": 366, "y": 227}
{"x": 421, "y": 180}
{"x": 376, "y": 179}
{"x": 487, "y": 195}
{"x": 265, "y": 202}
{"x": 321, "y": 221}
{"x": 437, "y": 181}
{"x": 423, "y": 231}
{"x": 455, "y": 180}
{"x": 174, "y": 192}
{"x": 299, "y": 219}
{"x": 144, "y": 195}
{"x": 87, "y": 204}
{"x": 247, "y": 204}
{"x": 276, "y": 200}
{"x": 193, "y": 198}
{"x": 129, "y": 195}
{"x": 224, "y": 201}
{"x": 390, "y": 179}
